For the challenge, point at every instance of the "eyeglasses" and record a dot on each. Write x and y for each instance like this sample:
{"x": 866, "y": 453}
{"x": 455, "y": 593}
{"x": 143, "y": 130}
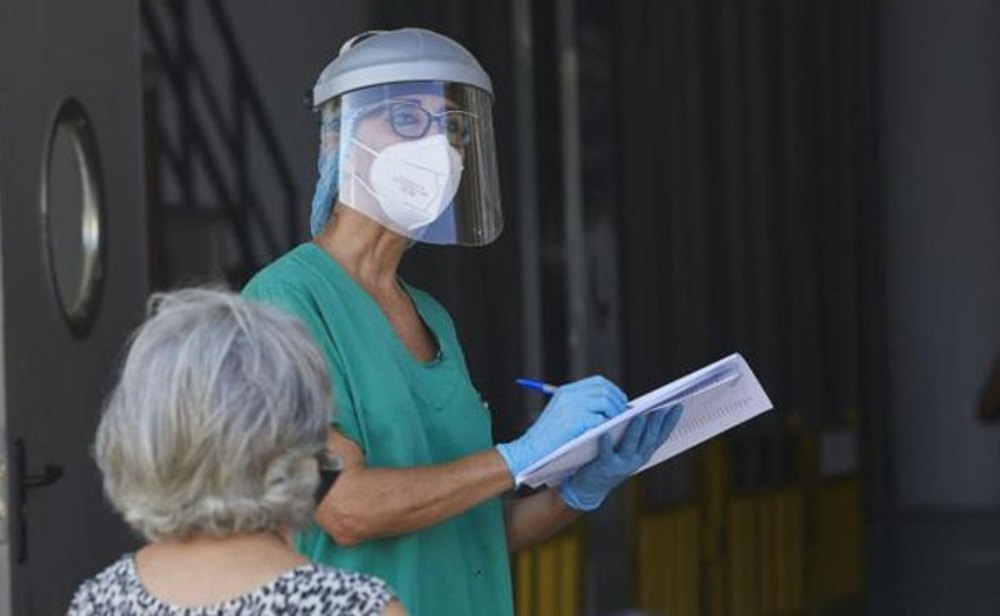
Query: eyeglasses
{"x": 411, "y": 121}
{"x": 329, "y": 469}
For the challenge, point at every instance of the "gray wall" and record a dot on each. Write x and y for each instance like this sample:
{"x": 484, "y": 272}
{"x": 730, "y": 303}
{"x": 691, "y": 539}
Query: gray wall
{"x": 940, "y": 89}
{"x": 284, "y": 49}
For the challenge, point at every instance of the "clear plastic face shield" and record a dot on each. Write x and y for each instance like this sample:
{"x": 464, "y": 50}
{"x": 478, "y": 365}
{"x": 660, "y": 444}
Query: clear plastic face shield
{"x": 417, "y": 157}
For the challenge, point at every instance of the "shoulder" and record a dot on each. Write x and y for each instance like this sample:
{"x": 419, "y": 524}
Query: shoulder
{"x": 289, "y": 271}
{"x": 292, "y": 284}
{"x": 325, "y": 590}
{"x": 110, "y": 588}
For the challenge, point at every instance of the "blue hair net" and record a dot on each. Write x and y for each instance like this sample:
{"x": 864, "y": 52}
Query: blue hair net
{"x": 326, "y": 191}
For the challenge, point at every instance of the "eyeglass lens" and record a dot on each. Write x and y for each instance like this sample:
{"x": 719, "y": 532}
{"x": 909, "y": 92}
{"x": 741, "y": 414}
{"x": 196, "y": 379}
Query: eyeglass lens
{"x": 412, "y": 121}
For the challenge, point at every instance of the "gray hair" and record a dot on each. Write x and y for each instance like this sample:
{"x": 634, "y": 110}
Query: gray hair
{"x": 215, "y": 422}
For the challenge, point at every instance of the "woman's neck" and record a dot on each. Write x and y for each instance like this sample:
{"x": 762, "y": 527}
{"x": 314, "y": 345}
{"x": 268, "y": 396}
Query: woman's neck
{"x": 201, "y": 570}
{"x": 369, "y": 252}
{"x": 263, "y": 540}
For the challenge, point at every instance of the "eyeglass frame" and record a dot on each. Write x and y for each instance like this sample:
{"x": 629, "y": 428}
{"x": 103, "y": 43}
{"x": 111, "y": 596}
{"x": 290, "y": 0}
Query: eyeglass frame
{"x": 332, "y": 122}
{"x": 440, "y": 119}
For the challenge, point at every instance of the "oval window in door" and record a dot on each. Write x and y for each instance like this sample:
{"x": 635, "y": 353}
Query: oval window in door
{"x": 73, "y": 216}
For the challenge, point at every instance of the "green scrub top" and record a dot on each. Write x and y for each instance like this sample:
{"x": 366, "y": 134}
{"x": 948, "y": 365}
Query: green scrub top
{"x": 402, "y": 413}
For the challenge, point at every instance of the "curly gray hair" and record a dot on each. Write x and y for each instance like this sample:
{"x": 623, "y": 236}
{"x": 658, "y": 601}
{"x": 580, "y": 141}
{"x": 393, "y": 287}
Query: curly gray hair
{"x": 215, "y": 422}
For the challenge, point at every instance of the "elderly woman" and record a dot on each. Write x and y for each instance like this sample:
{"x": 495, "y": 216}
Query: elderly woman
{"x": 407, "y": 155}
{"x": 212, "y": 447}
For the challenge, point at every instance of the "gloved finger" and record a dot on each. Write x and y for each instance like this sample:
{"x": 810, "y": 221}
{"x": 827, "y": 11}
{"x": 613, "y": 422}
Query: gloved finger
{"x": 616, "y": 392}
{"x": 652, "y": 437}
{"x": 610, "y": 401}
{"x": 605, "y": 392}
{"x": 633, "y": 434}
{"x": 605, "y": 447}
{"x": 621, "y": 405}
{"x": 594, "y": 384}
{"x": 603, "y": 404}
{"x": 605, "y": 384}
{"x": 670, "y": 422}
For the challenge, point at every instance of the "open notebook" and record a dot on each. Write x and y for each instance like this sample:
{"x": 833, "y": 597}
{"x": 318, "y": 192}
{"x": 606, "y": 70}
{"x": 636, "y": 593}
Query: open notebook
{"x": 715, "y": 398}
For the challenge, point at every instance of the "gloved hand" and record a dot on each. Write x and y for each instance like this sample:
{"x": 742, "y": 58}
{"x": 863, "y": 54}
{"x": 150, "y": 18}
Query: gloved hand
{"x": 573, "y": 409}
{"x": 586, "y": 489}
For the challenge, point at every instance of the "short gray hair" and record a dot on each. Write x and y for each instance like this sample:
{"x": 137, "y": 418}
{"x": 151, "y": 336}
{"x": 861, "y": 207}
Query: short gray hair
{"x": 215, "y": 422}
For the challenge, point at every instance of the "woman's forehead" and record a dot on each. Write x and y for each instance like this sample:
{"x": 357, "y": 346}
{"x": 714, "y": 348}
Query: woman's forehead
{"x": 431, "y": 102}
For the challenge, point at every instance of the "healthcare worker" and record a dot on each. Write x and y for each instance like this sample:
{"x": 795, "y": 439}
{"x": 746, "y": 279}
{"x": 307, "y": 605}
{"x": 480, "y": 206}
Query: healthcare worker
{"x": 407, "y": 155}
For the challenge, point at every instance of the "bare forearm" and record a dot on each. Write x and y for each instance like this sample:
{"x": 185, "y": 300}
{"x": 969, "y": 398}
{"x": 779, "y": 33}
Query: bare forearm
{"x": 535, "y": 518}
{"x": 368, "y": 503}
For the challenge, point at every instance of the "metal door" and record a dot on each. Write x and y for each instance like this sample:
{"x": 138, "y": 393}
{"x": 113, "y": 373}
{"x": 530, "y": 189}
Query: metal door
{"x": 70, "y": 215}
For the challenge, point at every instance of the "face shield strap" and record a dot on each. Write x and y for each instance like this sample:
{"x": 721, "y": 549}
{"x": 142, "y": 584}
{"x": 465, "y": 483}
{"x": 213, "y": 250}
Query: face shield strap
{"x": 357, "y": 178}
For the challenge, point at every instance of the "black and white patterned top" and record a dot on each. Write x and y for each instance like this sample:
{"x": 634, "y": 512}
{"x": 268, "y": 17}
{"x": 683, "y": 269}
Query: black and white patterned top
{"x": 309, "y": 589}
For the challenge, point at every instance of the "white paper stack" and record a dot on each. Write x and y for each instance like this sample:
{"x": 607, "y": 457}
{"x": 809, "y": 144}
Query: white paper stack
{"x": 715, "y": 398}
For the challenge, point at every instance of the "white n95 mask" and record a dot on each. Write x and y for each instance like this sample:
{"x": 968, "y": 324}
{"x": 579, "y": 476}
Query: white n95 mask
{"x": 414, "y": 181}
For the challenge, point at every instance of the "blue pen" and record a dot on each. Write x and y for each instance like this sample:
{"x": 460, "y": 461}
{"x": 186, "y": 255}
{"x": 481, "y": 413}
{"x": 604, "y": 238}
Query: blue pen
{"x": 545, "y": 388}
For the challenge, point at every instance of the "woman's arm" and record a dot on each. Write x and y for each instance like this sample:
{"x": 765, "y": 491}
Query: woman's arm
{"x": 368, "y": 503}
{"x": 533, "y": 519}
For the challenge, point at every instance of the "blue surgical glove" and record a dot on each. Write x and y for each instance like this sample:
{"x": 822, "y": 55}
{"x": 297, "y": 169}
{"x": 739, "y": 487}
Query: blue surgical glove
{"x": 587, "y": 488}
{"x": 573, "y": 409}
